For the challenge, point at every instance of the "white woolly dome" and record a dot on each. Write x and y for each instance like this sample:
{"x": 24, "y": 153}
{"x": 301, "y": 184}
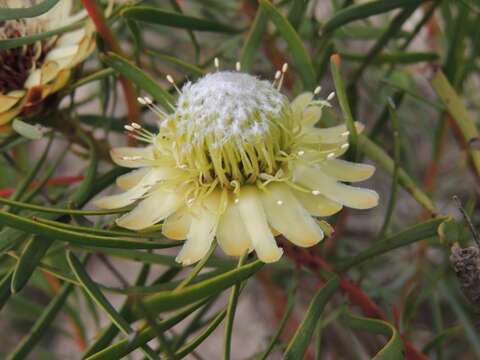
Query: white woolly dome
{"x": 228, "y": 106}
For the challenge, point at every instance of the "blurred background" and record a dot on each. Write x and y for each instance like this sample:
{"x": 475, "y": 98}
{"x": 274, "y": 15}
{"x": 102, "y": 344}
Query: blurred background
{"x": 411, "y": 74}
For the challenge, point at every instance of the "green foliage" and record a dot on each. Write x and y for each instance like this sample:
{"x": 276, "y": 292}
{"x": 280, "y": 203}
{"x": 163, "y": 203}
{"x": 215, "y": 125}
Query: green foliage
{"x": 380, "y": 287}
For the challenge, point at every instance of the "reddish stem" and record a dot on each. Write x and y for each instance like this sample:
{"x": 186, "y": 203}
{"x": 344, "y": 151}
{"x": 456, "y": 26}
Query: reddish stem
{"x": 60, "y": 180}
{"x": 98, "y": 18}
{"x": 355, "y": 294}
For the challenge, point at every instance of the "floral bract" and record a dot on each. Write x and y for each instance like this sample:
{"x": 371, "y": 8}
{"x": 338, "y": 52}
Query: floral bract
{"x": 237, "y": 161}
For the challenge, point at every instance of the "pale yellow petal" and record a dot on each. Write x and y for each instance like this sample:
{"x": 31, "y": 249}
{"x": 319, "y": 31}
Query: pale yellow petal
{"x": 157, "y": 206}
{"x": 132, "y": 178}
{"x": 317, "y": 205}
{"x": 133, "y": 157}
{"x": 49, "y": 71}
{"x": 9, "y": 115}
{"x": 347, "y": 171}
{"x": 232, "y": 234}
{"x": 287, "y": 215}
{"x": 311, "y": 115}
{"x": 134, "y": 193}
{"x": 202, "y": 230}
{"x": 253, "y": 216}
{"x": 319, "y": 182}
{"x": 7, "y": 101}
{"x": 299, "y": 104}
{"x": 63, "y": 52}
{"x": 34, "y": 79}
{"x": 72, "y": 37}
{"x": 177, "y": 226}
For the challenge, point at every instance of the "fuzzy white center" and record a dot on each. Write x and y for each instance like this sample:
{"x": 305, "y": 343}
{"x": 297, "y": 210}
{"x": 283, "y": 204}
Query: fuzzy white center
{"x": 228, "y": 106}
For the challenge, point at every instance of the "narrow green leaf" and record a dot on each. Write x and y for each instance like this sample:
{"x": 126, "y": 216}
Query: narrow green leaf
{"x": 459, "y": 113}
{"x": 140, "y": 78}
{"x": 438, "y": 340}
{"x": 97, "y": 296}
{"x": 26, "y": 12}
{"x": 61, "y": 211}
{"x": 32, "y": 132}
{"x": 381, "y": 158}
{"x": 94, "y": 292}
{"x": 343, "y": 100}
{"x": 109, "y": 333}
{"x": 34, "y": 227}
{"x": 38, "y": 330}
{"x": 189, "y": 68}
{"x": 299, "y": 53}
{"x": 300, "y": 341}
{"x": 28, "y": 261}
{"x": 254, "y": 38}
{"x": 197, "y": 268}
{"x": 30, "y": 39}
{"x": 363, "y": 32}
{"x": 126, "y": 346}
{"x": 27, "y": 181}
{"x": 362, "y": 11}
{"x": 283, "y": 322}
{"x": 231, "y": 307}
{"x": 415, "y": 233}
{"x": 99, "y": 231}
{"x": 154, "y": 15}
{"x": 187, "y": 349}
{"x": 393, "y": 349}
{"x": 169, "y": 300}
{"x": 403, "y": 58}
{"x": 5, "y": 291}
{"x": 97, "y": 75}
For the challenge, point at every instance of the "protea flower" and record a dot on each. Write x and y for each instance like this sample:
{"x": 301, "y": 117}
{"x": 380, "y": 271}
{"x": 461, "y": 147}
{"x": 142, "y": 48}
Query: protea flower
{"x": 29, "y": 73}
{"x": 238, "y": 162}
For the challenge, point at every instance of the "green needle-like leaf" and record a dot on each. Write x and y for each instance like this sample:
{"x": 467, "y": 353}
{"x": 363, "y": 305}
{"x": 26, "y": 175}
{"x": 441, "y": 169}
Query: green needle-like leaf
{"x": 300, "y": 341}
{"x": 161, "y": 17}
{"x": 299, "y": 53}
{"x": 26, "y": 12}
{"x": 393, "y": 349}
{"x": 169, "y": 300}
{"x": 140, "y": 78}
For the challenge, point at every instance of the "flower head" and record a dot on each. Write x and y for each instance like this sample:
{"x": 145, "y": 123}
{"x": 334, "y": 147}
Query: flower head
{"x": 237, "y": 161}
{"x": 31, "y": 72}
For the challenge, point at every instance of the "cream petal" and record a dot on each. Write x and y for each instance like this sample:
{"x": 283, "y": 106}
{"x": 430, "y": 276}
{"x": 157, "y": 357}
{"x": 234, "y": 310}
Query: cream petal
{"x": 177, "y": 226}
{"x": 72, "y": 37}
{"x": 317, "y": 205}
{"x": 318, "y": 181}
{"x": 287, "y": 215}
{"x": 49, "y": 71}
{"x": 62, "y": 52}
{"x": 202, "y": 231}
{"x": 255, "y": 220}
{"x": 232, "y": 235}
{"x": 132, "y": 178}
{"x": 7, "y": 116}
{"x": 133, "y": 194}
{"x": 299, "y": 104}
{"x": 133, "y": 157}
{"x": 34, "y": 79}
{"x": 157, "y": 206}
{"x": 346, "y": 171}
{"x": 331, "y": 135}
{"x": 311, "y": 115}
